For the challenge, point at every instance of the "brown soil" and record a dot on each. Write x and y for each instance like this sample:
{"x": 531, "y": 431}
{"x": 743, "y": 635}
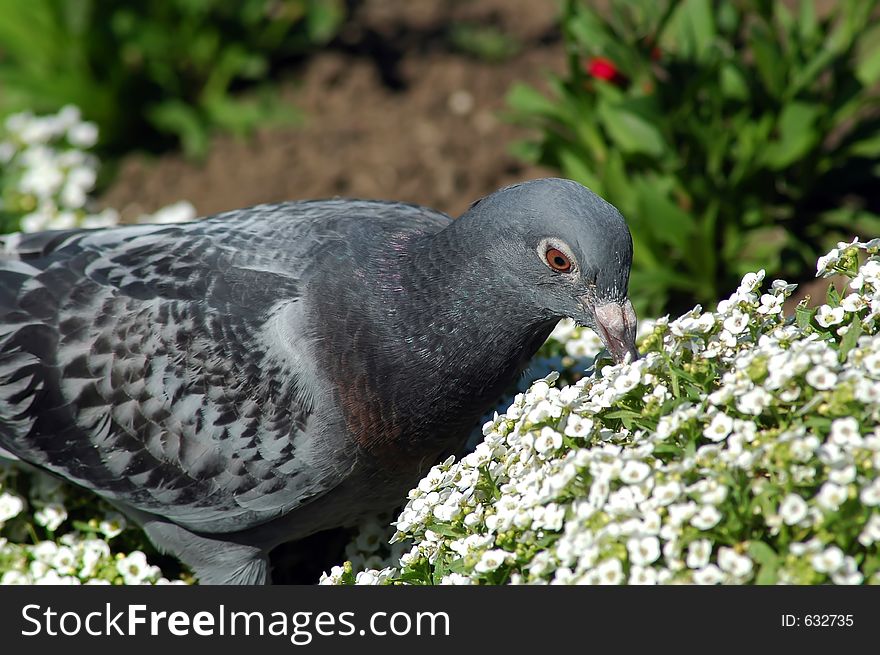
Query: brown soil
{"x": 392, "y": 111}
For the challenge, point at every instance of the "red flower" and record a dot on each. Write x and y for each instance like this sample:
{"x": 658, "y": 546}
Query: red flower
{"x": 604, "y": 69}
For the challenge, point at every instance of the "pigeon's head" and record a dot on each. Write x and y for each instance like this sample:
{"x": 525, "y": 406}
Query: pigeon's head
{"x": 565, "y": 252}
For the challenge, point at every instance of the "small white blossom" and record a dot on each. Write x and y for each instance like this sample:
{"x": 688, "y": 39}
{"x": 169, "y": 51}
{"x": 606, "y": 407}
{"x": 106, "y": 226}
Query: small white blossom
{"x": 490, "y": 561}
{"x": 706, "y": 518}
{"x": 821, "y": 378}
{"x": 827, "y": 316}
{"x": 828, "y": 561}
{"x": 643, "y": 551}
{"x": 708, "y": 575}
{"x": 793, "y": 509}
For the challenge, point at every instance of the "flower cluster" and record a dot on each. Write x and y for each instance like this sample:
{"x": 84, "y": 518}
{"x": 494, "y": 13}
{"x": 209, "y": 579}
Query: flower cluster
{"x": 47, "y": 176}
{"x": 743, "y": 447}
{"x": 37, "y": 546}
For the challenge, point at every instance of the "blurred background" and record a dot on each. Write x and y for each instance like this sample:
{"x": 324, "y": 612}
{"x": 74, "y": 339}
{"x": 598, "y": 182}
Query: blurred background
{"x": 733, "y": 134}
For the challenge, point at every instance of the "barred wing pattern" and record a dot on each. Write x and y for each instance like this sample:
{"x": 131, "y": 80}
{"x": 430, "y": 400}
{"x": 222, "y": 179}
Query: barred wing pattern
{"x": 168, "y": 367}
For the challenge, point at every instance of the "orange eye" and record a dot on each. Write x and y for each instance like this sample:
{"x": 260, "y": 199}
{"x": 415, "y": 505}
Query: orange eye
{"x": 558, "y": 260}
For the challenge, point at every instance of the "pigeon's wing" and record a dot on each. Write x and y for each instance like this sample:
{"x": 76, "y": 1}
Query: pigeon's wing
{"x": 170, "y": 368}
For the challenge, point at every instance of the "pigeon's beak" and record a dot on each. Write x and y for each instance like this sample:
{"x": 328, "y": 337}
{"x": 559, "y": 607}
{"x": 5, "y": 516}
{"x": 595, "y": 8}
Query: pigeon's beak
{"x": 616, "y": 325}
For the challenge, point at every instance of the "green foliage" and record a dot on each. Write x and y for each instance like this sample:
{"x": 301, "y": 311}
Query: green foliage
{"x": 733, "y": 135}
{"x": 150, "y": 71}
{"x": 483, "y": 42}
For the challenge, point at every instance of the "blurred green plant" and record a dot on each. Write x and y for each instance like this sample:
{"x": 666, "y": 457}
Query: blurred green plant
{"x": 733, "y": 134}
{"x": 485, "y": 42}
{"x": 147, "y": 71}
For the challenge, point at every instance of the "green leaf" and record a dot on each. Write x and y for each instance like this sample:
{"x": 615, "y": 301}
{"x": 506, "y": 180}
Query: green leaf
{"x": 868, "y": 56}
{"x": 447, "y": 530}
{"x": 808, "y": 27}
{"x": 586, "y": 28}
{"x": 850, "y": 339}
{"x": 832, "y": 296}
{"x": 733, "y": 82}
{"x": 693, "y": 28}
{"x": 629, "y": 131}
{"x": 797, "y": 135}
{"x": 668, "y": 222}
{"x": 769, "y": 60}
{"x": 768, "y": 561}
{"x": 804, "y": 316}
{"x": 529, "y": 100}
{"x": 323, "y": 18}
{"x": 868, "y": 147}
{"x": 575, "y": 167}
{"x": 183, "y": 120}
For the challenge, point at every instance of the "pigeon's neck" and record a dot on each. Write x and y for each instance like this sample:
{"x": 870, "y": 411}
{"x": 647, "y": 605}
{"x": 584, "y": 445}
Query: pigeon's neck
{"x": 421, "y": 340}
{"x": 463, "y": 334}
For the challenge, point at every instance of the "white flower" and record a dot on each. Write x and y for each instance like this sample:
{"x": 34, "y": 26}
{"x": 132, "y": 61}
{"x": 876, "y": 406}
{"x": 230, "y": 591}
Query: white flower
{"x": 750, "y": 282}
{"x": 706, "y": 518}
{"x": 821, "y": 378}
{"x": 610, "y": 572}
{"x": 83, "y": 135}
{"x": 93, "y": 551}
{"x": 15, "y": 578}
{"x": 681, "y": 512}
{"x": 699, "y": 552}
{"x": 720, "y": 426}
{"x": 828, "y": 561}
{"x": 853, "y": 303}
{"x": 64, "y": 560}
{"x": 455, "y": 579}
{"x": 134, "y": 568}
{"x": 848, "y": 573}
{"x": 845, "y": 432}
{"x": 112, "y": 525}
{"x": 753, "y": 402}
{"x": 827, "y": 261}
{"x": 628, "y": 379}
{"x": 708, "y": 575}
{"x": 51, "y": 577}
{"x": 334, "y": 577}
{"x": 10, "y": 506}
{"x": 831, "y": 496}
{"x": 793, "y": 509}
{"x": 870, "y": 534}
{"x": 367, "y": 578}
{"x": 827, "y": 316}
{"x": 732, "y": 562}
{"x": 634, "y": 472}
{"x": 491, "y": 560}
{"x": 870, "y": 494}
{"x": 42, "y": 180}
{"x": 771, "y": 304}
{"x": 640, "y": 575}
{"x": 50, "y": 516}
{"x": 667, "y": 493}
{"x": 548, "y": 440}
{"x": 643, "y": 551}
{"x": 736, "y": 322}
{"x": 577, "y": 426}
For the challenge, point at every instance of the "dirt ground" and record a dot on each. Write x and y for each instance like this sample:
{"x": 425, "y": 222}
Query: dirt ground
{"x": 392, "y": 111}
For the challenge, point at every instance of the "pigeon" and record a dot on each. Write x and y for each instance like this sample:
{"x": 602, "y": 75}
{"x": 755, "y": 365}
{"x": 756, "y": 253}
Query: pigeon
{"x": 255, "y": 377}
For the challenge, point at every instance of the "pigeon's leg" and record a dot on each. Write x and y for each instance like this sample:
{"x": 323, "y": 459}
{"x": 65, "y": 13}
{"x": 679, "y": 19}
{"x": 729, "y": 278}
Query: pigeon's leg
{"x": 213, "y": 560}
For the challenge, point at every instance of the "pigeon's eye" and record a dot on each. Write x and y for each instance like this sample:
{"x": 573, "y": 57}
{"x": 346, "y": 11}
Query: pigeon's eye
{"x": 558, "y": 260}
